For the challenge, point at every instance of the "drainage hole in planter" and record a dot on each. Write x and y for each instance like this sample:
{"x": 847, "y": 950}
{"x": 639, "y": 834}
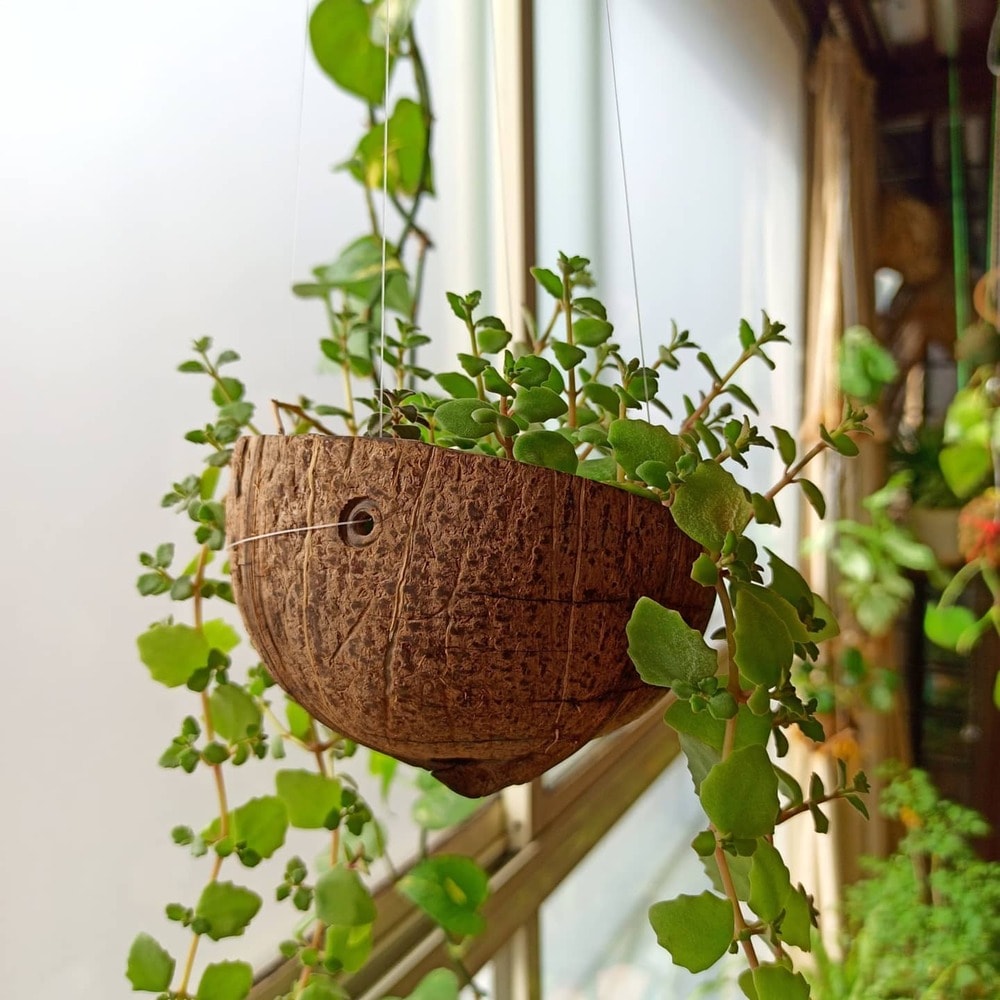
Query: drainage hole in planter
{"x": 360, "y": 519}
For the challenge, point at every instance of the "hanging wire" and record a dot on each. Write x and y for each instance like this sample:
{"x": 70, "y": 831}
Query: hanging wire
{"x": 628, "y": 210}
{"x": 385, "y": 202}
{"x": 296, "y": 200}
{"x": 960, "y": 224}
{"x": 501, "y": 159}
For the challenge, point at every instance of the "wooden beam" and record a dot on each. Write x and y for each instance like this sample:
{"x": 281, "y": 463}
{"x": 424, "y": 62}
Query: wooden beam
{"x": 867, "y": 35}
{"x": 926, "y": 94}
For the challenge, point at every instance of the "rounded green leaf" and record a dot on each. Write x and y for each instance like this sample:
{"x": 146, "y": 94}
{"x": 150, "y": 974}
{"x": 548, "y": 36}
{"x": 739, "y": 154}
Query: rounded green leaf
{"x": 770, "y": 884}
{"x": 173, "y": 653}
{"x": 591, "y": 332}
{"x": 322, "y": 989}
{"x": 740, "y": 794}
{"x": 234, "y": 712}
{"x": 709, "y": 504}
{"x": 227, "y": 909}
{"x": 549, "y": 281}
{"x": 763, "y": 646}
{"x": 537, "y": 404}
{"x": 601, "y": 470}
{"x": 343, "y": 899}
{"x": 568, "y": 355}
{"x": 944, "y": 625}
{"x": 492, "y": 341}
{"x": 455, "y": 417}
{"x": 350, "y": 946}
{"x": 548, "y": 449}
{"x": 439, "y": 984}
{"x": 309, "y": 797}
{"x": 665, "y": 649}
{"x": 261, "y": 824}
{"x": 457, "y": 385}
{"x": 150, "y": 966}
{"x": 225, "y": 981}
{"x": 450, "y": 889}
{"x": 773, "y": 982}
{"x": 637, "y": 441}
{"x": 696, "y": 930}
{"x": 438, "y": 807}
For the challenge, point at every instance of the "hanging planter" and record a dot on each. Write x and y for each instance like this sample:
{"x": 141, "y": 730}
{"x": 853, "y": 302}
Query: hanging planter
{"x": 470, "y": 615}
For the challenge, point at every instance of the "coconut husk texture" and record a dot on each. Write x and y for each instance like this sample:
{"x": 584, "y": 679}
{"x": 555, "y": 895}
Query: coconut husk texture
{"x": 470, "y": 619}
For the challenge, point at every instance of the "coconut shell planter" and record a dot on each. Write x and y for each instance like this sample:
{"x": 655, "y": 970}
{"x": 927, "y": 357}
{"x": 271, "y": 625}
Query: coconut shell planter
{"x": 470, "y": 616}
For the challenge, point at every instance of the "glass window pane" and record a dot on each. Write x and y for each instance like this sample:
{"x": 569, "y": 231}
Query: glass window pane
{"x": 596, "y": 940}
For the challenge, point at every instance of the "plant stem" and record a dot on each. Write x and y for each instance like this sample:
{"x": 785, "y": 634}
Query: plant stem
{"x": 220, "y": 783}
{"x": 733, "y": 678}
{"x": 718, "y": 387}
{"x": 793, "y": 470}
{"x": 962, "y": 578}
{"x": 567, "y": 308}
{"x": 543, "y": 340}
{"x": 297, "y": 411}
{"x": 739, "y": 924}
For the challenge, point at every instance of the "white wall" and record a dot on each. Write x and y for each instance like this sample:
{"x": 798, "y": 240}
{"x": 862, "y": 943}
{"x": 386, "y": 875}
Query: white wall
{"x": 154, "y": 188}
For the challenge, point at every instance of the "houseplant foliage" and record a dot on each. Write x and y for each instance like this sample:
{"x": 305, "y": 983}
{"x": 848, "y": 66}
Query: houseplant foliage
{"x": 559, "y": 394}
{"x": 924, "y": 922}
{"x": 970, "y": 465}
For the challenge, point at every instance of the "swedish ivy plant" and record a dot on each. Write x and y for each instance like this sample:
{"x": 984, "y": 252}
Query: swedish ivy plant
{"x": 560, "y": 393}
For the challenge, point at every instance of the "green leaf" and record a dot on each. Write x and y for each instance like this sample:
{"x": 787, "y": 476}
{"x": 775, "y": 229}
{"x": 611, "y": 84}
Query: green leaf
{"x": 227, "y": 909}
{"x": 705, "y": 571}
{"x": 786, "y": 445}
{"x": 944, "y": 625}
{"x": 696, "y": 930}
{"x": 407, "y": 146}
{"x": 591, "y": 332}
{"x": 473, "y": 365}
{"x": 384, "y": 768}
{"x": 601, "y": 470}
{"x": 438, "y": 807}
{"x": 601, "y": 395}
{"x": 350, "y": 946}
{"x": 549, "y": 281}
{"x": 797, "y": 924}
{"x": 655, "y": 474}
{"x": 261, "y": 824}
{"x": 709, "y": 504}
{"x": 764, "y": 648}
{"x": 173, "y": 653}
{"x": 751, "y": 730}
{"x": 340, "y": 34}
{"x": 358, "y": 270}
{"x": 546, "y": 448}
{"x": 455, "y": 417}
{"x": 492, "y": 341}
{"x": 225, "y": 981}
{"x": 450, "y": 889}
{"x": 234, "y": 712}
{"x": 309, "y": 797}
{"x": 537, "y": 404}
{"x": 814, "y": 495}
{"x": 568, "y": 355}
{"x": 789, "y": 583}
{"x": 343, "y": 899}
{"x": 150, "y": 966}
{"x": 786, "y": 614}
{"x": 770, "y": 883}
{"x": 965, "y": 466}
{"x": 220, "y": 635}
{"x": 439, "y": 984}
{"x": 665, "y": 649}
{"x": 322, "y": 989}
{"x": 765, "y": 510}
{"x": 300, "y": 723}
{"x": 773, "y": 982}
{"x": 740, "y": 794}
{"x": 637, "y": 441}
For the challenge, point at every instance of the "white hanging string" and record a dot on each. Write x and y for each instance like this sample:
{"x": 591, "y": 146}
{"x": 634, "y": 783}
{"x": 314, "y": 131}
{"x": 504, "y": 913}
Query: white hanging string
{"x": 501, "y": 159}
{"x": 296, "y": 200}
{"x": 294, "y": 531}
{"x": 385, "y": 202}
{"x": 628, "y": 210}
